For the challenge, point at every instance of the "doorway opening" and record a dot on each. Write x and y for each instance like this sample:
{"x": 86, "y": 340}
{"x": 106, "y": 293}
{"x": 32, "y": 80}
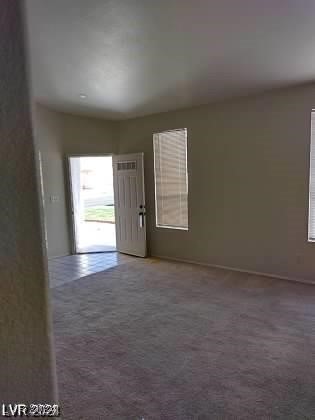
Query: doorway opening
{"x": 92, "y": 199}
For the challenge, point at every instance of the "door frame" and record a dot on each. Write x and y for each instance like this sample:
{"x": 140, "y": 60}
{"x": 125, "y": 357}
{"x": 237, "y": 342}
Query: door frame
{"x": 69, "y": 198}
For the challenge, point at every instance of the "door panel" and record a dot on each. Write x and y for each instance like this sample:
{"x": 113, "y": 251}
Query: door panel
{"x": 130, "y": 204}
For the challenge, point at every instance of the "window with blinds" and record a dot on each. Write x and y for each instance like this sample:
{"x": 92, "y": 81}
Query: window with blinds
{"x": 171, "y": 179}
{"x": 311, "y": 217}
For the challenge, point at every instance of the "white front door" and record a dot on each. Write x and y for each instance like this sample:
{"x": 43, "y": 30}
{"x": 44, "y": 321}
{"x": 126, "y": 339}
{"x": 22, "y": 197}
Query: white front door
{"x": 130, "y": 204}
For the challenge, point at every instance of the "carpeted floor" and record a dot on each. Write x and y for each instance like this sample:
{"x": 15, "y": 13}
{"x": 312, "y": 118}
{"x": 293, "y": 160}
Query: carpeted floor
{"x": 158, "y": 340}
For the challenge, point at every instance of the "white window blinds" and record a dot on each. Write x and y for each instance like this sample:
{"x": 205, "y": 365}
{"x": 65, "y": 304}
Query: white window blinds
{"x": 171, "y": 179}
{"x": 311, "y": 221}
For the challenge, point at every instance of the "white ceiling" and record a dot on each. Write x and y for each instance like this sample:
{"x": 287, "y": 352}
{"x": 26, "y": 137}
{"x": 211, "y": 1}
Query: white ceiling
{"x": 136, "y": 57}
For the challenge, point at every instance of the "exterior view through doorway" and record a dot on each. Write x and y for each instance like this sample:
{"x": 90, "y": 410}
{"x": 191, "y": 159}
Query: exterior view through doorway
{"x": 92, "y": 204}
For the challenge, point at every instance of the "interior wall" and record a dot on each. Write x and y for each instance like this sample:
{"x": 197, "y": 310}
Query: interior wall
{"x": 49, "y": 137}
{"x": 60, "y": 135}
{"x": 26, "y": 362}
{"x": 83, "y": 135}
{"x": 248, "y": 163}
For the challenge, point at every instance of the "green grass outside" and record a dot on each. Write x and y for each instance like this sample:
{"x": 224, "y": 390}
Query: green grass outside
{"x": 100, "y": 214}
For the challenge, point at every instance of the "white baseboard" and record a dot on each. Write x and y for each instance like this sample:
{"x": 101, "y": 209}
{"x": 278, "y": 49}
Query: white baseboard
{"x": 240, "y": 270}
{"x": 52, "y": 257}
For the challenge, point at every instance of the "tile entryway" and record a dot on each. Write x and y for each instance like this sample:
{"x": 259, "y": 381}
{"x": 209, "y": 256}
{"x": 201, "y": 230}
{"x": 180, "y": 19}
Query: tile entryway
{"x": 67, "y": 269}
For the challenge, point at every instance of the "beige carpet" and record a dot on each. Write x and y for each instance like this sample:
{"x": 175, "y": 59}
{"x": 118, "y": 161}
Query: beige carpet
{"x": 161, "y": 340}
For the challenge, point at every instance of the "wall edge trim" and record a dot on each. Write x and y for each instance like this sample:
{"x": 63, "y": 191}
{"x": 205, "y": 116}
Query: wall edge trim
{"x": 240, "y": 270}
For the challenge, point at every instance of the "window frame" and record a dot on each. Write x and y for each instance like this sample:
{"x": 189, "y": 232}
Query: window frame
{"x": 157, "y": 225}
{"x": 311, "y": 208}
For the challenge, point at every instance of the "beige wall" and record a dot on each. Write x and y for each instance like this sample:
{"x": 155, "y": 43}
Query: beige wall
{"x": 248, "y": 164}
{"x": 49, "y": 137}
{"x": 26, "y": 362}
{"x": 58, "y": 136}
{"x": 82, "y": 135}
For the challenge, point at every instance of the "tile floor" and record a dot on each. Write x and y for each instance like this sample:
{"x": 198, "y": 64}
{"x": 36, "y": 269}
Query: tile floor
{"x": 66, "y": 269}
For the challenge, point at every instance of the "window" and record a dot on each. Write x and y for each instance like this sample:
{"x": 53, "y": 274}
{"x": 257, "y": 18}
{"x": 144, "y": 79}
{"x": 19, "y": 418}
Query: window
{"x": 311, "y": 216}
{"x": 171, "y": 179}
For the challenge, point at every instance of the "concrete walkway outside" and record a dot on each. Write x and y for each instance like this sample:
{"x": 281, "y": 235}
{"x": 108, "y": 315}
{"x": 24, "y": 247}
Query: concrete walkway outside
{"x": 96, "y": 237}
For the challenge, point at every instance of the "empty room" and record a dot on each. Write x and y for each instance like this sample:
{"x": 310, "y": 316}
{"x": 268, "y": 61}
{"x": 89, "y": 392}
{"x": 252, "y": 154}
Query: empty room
{"x": 157, "y": 212}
